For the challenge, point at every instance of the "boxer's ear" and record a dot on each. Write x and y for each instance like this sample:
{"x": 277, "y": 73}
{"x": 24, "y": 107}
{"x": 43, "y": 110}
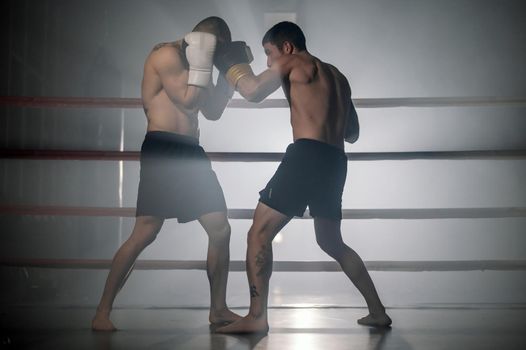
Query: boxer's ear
{"x": 287, "y": 47}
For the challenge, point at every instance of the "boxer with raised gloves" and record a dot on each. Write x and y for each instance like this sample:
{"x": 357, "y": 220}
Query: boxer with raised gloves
{"x": 233, "y": 61}
{"x": 200, "y": 48}
{"x": 177, "y": 180}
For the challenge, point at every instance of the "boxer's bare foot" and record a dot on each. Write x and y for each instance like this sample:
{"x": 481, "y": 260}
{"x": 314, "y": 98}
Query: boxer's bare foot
{"x": 101, "y": 322}
{"x": 380, "y": 320}
{"x": 247, "y": 324}
{"x": 223, "y": 317}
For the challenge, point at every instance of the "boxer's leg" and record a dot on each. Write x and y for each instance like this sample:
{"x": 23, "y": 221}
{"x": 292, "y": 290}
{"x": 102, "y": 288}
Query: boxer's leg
{"x": 267, "y": 223}
{"x": 329, "y": 238}
{"x": 217, "y": 261}
{"x": 144, "y": 232}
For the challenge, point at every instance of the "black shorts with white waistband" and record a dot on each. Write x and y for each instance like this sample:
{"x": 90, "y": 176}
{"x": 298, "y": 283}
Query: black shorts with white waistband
{"x": 177, "y": 180}
{"x": 312, "y": 173}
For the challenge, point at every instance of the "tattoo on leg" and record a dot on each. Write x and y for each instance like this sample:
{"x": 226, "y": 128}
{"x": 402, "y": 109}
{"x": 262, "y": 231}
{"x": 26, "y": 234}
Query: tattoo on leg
{"x": 262, "y": 260}
{"x": 253, "y": 292}
{"x": 260, "y": 257}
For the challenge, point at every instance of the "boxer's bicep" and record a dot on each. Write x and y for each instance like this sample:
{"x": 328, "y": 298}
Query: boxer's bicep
{"x": 268, "y": 82}
{"x": 257, "y": 88}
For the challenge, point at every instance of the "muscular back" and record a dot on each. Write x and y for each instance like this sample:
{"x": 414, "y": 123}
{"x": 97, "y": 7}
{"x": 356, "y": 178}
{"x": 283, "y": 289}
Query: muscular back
{"x": 163, "y": 87}
{"x": 319, "y": 96}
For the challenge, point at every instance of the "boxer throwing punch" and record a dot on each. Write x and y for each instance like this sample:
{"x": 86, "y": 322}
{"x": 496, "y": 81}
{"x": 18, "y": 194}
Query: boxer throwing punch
{"x": 313, "y": 170}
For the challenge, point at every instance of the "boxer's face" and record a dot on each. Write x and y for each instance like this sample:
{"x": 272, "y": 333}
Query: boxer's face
{"x": 272, "y": 53}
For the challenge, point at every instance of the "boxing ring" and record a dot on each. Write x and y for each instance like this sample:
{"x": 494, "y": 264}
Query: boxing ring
{"x": 245, "y": 213}
{"x": 30, "y": 209}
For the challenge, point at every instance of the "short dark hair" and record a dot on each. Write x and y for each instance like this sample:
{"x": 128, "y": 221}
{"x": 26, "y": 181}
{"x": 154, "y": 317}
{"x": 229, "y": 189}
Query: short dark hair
{"x": 285, "y": 31}
{"x": 214, "y": 25}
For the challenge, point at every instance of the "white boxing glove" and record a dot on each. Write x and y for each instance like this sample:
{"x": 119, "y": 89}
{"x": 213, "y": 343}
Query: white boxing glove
{"x": 200, "y": 56}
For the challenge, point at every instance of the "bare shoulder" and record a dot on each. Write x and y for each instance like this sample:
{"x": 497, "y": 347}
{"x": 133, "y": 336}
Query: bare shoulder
{"x": 340, "y": 77}
{"x": 164, "y": 54}
{"x": 334, "y": 70}
{"x": 163, "y": 45}
{"x": 301, "y": 68}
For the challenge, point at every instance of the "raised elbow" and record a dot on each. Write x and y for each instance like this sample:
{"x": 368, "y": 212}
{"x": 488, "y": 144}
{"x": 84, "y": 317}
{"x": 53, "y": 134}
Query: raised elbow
{"x": 254, "y": 98}
{"x": 213, "y": 116}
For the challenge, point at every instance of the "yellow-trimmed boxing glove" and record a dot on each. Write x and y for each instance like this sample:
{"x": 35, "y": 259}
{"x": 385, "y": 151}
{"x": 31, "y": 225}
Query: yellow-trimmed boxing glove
{"x": 233, "y": 60}
{"x": 237, "y": 72}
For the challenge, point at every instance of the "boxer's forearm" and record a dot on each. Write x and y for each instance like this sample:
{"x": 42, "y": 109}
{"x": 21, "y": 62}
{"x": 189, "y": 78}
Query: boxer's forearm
{"x": 218, "y": 98}
{"x": 191, "y": 97}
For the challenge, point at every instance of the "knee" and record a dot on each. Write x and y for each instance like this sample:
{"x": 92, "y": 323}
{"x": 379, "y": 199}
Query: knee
{"x": 144, "y": 232}
{"x": 149, "y": 223}
{"x": 140, "y": 242}
{"x": 333, "y": 249}
{"x": 220, "y": 232}
{"x": 259, "y": 235}
{"x": 136, "y": 243}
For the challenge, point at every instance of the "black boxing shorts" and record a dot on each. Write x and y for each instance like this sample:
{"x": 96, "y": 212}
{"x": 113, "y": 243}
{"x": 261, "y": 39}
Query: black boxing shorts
{"x": 177, "y": 180}
{"x": 312, "y": 173}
